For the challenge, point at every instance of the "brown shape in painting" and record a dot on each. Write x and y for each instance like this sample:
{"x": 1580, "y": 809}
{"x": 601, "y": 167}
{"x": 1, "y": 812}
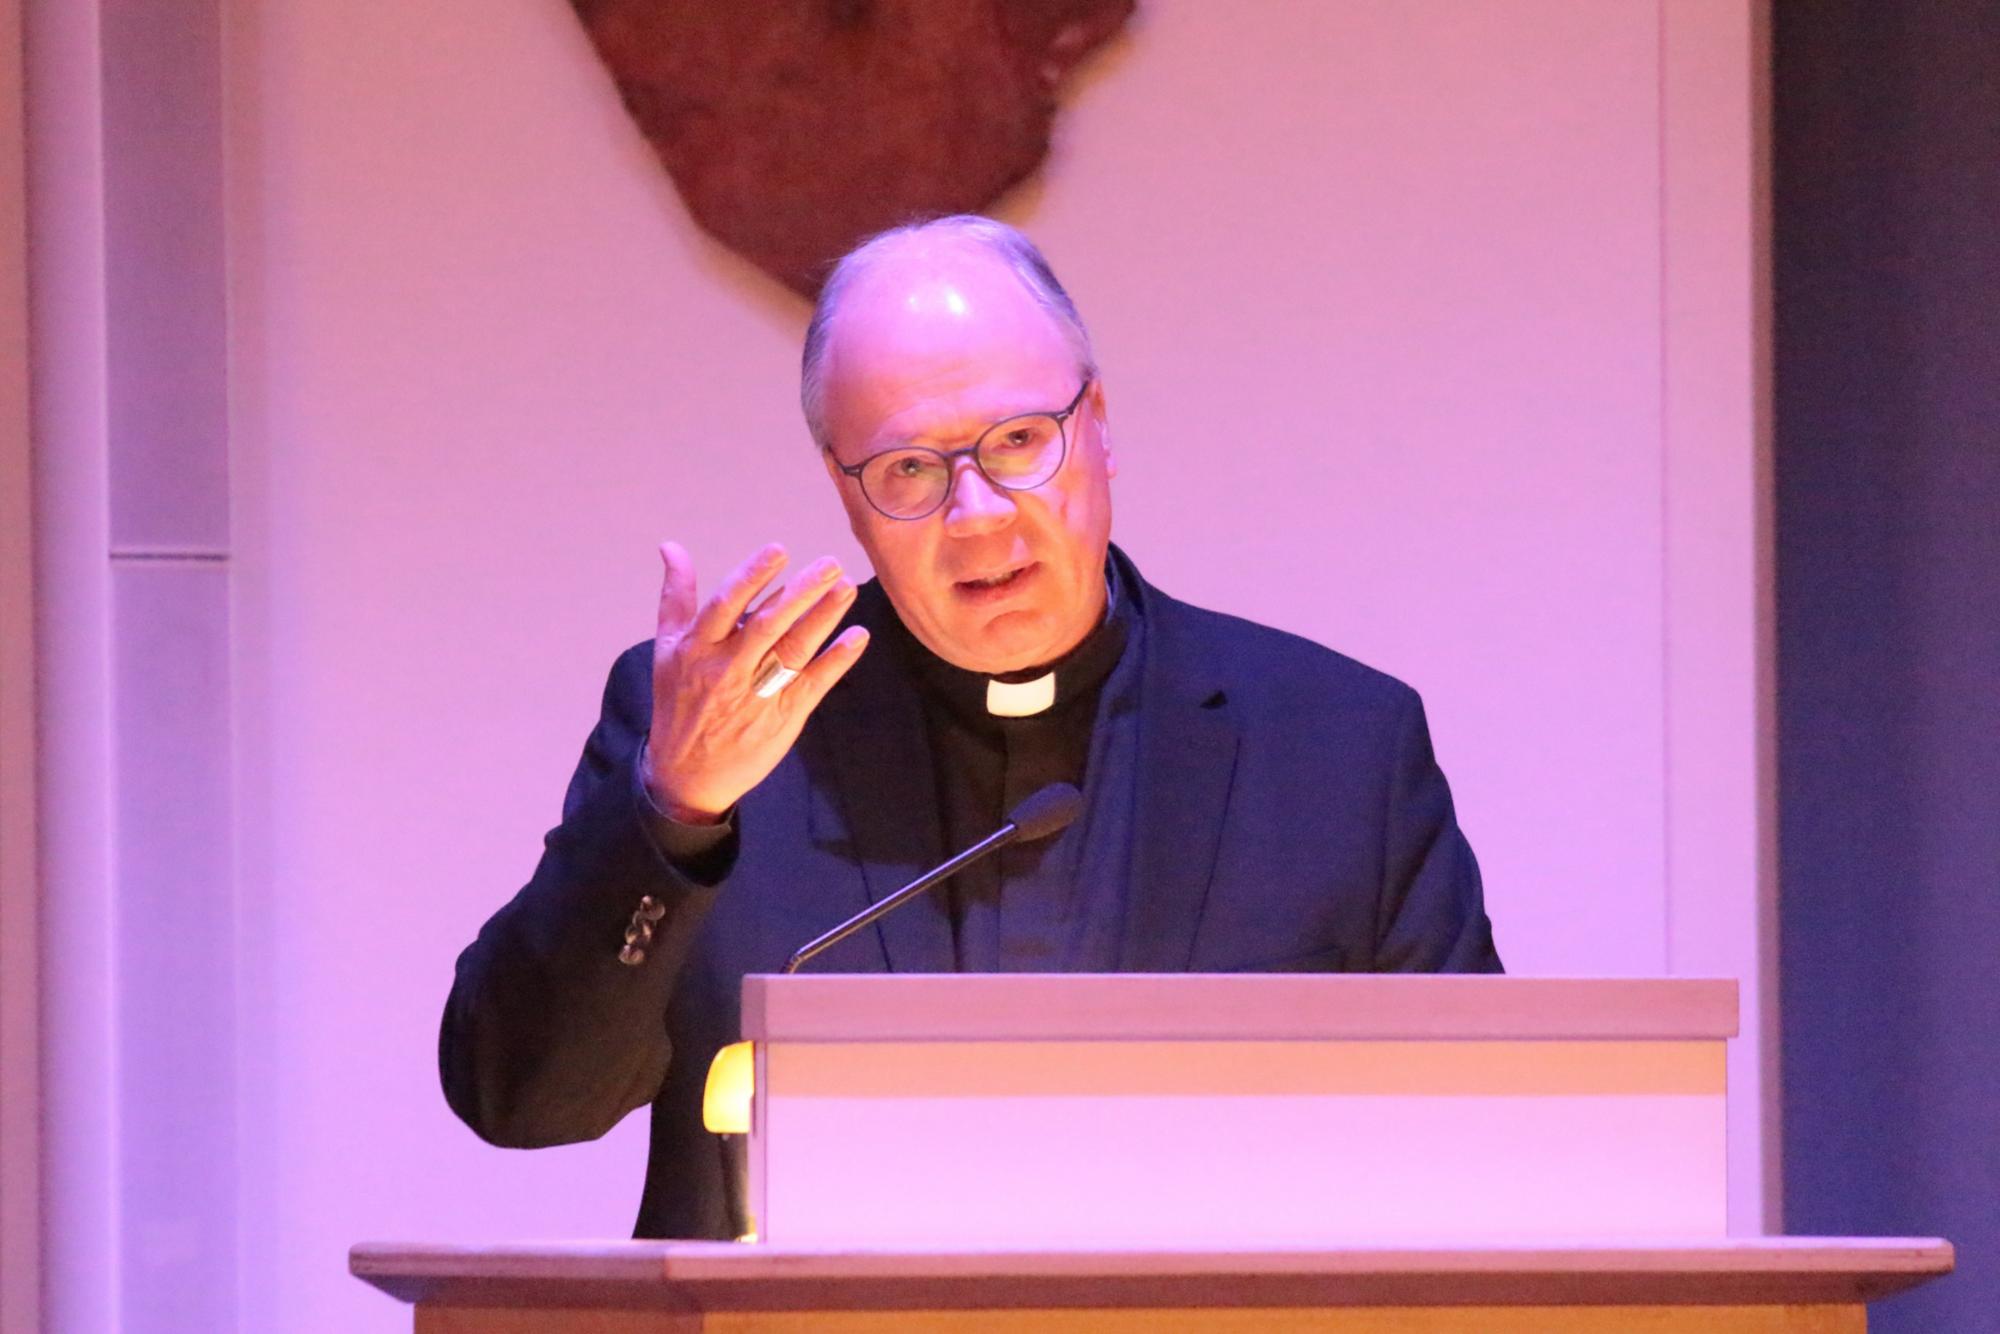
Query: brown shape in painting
{"x": 795, "y": 128}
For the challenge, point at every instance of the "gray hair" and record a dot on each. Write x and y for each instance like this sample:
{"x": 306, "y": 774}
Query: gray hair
{"x": 1005, "y": 243}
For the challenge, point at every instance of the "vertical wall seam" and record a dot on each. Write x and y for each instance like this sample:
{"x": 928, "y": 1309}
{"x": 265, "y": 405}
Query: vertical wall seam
{"x": 1667, "y": 960}
{"x": 1764, "y": 612}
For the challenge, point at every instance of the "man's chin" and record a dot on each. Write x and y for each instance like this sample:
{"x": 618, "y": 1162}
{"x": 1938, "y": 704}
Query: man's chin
{"x": 1013, "y": 641}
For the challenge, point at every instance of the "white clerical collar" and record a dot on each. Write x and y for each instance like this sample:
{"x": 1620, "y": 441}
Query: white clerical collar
{"x": 1020, "y": 699}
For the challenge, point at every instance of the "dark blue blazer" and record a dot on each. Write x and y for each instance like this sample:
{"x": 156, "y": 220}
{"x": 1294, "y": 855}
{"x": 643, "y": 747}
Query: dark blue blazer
{"x": 1289, "y": 816}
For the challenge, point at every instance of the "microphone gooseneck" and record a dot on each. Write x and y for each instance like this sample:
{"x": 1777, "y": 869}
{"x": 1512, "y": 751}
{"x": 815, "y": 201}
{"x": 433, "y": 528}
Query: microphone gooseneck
{"x": 1048, "y": 811}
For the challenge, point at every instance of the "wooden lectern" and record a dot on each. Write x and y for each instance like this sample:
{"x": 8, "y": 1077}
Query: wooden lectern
{"x": 1241, "y": 1152}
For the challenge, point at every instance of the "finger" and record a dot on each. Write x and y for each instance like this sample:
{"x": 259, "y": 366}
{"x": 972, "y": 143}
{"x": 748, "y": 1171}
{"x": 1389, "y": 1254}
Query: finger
{"x": 718, "y": 619}
{"x": 677, "y": 600}
{"x": 825, "y": 671}
{"x": 775, "y": 617}
{"x": 769, "y": 596}
{"x": 809, "y": 631}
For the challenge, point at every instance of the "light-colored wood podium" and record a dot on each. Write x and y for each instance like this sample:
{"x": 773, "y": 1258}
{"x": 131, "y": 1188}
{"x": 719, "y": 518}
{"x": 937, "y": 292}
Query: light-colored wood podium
{"x": 1241, "y": 1152}
{"x": 1775, "y": 1285}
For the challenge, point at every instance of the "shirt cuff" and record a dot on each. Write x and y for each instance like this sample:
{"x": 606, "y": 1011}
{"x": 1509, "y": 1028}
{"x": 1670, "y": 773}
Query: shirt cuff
{"x": 704, "y": 853}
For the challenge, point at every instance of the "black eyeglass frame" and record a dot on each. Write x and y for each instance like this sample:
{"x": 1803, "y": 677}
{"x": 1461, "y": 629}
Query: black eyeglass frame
{"x": 950, "y": 458}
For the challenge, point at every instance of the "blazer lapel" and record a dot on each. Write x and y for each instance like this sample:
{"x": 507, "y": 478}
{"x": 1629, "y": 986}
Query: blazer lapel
{"x": 869, "y": 732}
{"x": 1188, "y": 746}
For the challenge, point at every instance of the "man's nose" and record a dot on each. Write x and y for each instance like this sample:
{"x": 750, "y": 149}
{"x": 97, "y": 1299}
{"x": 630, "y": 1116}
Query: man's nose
{"x": 976, "y": 505}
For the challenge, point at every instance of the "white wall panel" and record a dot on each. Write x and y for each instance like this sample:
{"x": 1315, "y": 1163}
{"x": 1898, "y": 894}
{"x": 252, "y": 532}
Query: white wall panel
{"x": 174, "y": 943}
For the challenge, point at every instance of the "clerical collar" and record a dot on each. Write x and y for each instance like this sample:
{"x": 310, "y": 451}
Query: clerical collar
{"x": 1020, "y": 699}
{"x": 991, "y": 700}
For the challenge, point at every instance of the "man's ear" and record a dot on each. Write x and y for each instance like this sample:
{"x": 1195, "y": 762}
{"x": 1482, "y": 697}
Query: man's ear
{"x": 1102, "y": 416}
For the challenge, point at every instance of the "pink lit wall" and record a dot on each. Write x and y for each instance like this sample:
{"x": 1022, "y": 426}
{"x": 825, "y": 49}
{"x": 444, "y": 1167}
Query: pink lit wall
{"x": 20, "y": 1166}
{"x": 1428, "y": 333}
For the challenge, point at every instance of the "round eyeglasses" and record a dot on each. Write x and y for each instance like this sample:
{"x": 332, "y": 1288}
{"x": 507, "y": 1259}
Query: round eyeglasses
{"x": 1018, "y": 454}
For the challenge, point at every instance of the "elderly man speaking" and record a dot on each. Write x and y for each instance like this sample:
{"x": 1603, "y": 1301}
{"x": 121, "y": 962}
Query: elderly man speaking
{"x": 778, "y": 757}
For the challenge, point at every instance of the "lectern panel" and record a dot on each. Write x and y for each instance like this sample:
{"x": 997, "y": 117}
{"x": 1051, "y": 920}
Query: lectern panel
{"x": 1196, "y": 1147}
{"x": 1217, "y": 1141}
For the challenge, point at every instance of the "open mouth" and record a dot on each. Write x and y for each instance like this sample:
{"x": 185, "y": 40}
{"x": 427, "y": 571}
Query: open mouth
{"x": 993, "y": 583}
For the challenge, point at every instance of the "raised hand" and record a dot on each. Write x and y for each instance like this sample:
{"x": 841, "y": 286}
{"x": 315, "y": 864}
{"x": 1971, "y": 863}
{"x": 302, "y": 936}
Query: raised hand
{"x": 713, "y": 736}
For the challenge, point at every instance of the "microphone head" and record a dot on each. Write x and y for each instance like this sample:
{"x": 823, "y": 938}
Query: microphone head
{"x": 1048, "y": 811}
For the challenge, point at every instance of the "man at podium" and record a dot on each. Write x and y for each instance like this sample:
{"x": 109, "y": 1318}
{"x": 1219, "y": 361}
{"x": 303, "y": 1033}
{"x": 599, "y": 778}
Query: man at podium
{"x": 783, "y": 754}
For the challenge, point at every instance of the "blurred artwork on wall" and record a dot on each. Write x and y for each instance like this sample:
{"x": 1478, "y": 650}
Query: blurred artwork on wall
{"x": 795, "y": 128}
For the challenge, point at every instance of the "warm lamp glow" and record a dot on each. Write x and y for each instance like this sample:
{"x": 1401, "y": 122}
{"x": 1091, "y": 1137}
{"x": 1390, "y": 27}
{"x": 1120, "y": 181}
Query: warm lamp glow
{"x": 725, "y": 1101}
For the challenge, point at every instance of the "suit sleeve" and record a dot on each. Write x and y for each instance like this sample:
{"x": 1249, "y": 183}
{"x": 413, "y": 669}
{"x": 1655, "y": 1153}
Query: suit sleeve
{"x": 547, "y": 1036}
{"x": 1431, "y": 916}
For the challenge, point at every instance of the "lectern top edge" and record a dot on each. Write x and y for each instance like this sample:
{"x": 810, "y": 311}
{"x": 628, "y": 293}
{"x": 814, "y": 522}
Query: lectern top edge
{"x": 625, "y": 1276}
{"x": 1045, "y": 1007}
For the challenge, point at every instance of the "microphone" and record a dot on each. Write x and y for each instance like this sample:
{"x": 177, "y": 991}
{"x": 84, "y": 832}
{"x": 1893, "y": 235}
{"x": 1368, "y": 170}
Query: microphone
{"x": 1048, "y": 811}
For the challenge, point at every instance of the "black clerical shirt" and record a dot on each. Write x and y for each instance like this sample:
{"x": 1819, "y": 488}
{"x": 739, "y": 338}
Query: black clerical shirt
{"x": 1058, "y": 904}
